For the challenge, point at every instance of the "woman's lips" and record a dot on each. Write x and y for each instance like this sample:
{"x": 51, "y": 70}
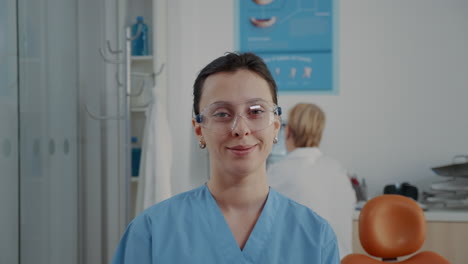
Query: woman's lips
{"x": 242, "y": 150}
{"x": 263, "y": 22}
{"x": 262, "y": 2}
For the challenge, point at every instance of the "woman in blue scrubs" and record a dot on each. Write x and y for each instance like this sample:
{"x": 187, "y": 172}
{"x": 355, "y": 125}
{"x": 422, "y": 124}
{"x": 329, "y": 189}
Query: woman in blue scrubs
{"x": 235, "y": 217}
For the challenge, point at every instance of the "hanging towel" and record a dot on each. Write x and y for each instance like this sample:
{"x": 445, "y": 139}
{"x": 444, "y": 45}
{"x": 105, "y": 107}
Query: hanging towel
{"x": 154, "y": 184}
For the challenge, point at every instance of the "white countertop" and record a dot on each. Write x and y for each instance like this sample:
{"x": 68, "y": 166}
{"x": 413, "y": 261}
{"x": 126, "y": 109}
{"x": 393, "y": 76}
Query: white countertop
{"x": 438, "y": 215}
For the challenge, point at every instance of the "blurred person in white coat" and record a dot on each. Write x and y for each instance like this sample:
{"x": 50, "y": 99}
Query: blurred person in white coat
{"x": 309, "y": 177}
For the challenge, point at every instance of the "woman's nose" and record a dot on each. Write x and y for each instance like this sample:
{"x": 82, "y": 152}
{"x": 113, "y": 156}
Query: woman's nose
{"x": 239, "y": 126}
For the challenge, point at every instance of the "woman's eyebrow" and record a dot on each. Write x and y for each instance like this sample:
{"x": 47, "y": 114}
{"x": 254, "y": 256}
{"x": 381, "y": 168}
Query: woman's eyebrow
{"x": 221, "y": 103}
{"x": 253, "y": 100}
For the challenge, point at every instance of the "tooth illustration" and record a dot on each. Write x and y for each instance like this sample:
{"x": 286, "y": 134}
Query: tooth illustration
{"x": 277, "y": 70}
{"x": 293, "y": 73}
{"x": 307, "y": 72}
{"x": 263, "y": 2}
{"x": 263, "y": 23}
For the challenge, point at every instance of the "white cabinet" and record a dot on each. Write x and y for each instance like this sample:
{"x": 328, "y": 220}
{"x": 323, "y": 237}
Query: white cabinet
{"x": 141, "y": 76}
{"x": 147, "y": 74}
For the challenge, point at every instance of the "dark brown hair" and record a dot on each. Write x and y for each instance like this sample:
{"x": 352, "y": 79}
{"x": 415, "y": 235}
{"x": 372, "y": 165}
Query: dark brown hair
{"x": 232, "y": 62}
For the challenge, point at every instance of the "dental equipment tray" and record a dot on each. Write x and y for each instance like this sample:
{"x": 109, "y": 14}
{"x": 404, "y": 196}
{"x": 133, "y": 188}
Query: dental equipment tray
{"x": 453, "y": 170}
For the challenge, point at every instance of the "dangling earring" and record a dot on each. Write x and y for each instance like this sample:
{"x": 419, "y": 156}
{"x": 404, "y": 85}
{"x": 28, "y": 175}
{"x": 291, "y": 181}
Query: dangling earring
{"x": 275, "y": 140}
{"x": 202, "y": 144}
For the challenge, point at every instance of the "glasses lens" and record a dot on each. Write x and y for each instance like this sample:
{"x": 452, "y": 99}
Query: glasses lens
{"x": 258, "y": 116}
{"x": 223, "y": 117}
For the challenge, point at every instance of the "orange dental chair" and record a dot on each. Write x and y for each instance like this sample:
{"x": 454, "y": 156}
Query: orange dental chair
{"x": 392, "y": 226}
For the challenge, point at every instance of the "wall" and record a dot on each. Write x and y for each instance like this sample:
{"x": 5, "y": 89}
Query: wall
{"x": 402, "y": 74}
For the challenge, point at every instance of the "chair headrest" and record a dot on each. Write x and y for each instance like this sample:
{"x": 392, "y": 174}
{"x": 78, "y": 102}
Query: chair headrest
{"x": 391, "y": 226}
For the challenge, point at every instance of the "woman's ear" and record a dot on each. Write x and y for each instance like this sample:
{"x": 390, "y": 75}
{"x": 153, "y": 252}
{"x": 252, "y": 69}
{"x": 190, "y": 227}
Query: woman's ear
{"x": 196, "y": 128}
{"x": 277, "y": 125}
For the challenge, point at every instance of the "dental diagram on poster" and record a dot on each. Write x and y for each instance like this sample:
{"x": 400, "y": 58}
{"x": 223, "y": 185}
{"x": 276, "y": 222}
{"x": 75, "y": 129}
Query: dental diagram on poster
{"x": 294, "y": 37}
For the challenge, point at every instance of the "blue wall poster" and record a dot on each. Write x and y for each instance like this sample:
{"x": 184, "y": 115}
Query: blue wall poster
{"x": 300, "y": 71}
{"x": 294, "y": 37}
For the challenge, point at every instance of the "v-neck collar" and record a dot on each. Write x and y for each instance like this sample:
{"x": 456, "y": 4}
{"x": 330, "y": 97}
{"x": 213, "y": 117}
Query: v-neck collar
{"x": 256, "y": 243}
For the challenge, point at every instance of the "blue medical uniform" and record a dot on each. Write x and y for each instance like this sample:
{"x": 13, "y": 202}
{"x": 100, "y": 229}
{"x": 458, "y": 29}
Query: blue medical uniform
{"x": 190, "y": 228}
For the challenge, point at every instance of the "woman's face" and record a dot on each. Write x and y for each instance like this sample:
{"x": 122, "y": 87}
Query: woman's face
{"x": 241, "y": 149}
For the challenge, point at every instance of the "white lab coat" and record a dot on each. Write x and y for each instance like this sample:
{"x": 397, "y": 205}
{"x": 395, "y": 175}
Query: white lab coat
{"x": 154, "y": 184}
{"x": 320, "y": 183}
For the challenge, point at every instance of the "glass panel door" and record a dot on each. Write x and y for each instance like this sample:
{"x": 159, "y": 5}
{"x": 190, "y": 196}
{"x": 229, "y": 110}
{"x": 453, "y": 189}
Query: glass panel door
{"x": 48, "y": 70}
{"x": 8, "y": 134}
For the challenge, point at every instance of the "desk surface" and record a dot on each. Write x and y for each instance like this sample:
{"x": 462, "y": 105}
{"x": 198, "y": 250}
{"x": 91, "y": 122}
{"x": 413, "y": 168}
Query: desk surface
{"x": 438, "y": 215}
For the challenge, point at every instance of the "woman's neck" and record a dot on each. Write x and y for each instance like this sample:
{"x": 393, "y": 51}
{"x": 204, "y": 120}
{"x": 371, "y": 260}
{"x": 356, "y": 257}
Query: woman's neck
{"x": 241, "y": 199}
{"x": 246, "y": 192}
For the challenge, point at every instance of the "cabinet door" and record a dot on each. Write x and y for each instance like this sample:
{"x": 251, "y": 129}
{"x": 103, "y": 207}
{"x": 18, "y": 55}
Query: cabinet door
{"x": 8, "y": 134}
{"x": 48, "y": 69}
{"x": 449, "y": 239}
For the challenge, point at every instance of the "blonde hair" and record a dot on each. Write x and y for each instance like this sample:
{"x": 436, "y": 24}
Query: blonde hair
{"x": 306, "y": 123}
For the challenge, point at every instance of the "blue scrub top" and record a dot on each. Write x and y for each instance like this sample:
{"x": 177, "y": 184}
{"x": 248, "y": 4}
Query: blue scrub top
{"x": 190, "y": 228}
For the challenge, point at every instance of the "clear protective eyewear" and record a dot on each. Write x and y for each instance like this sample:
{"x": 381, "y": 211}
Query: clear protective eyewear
{"x": 223, "y": 117}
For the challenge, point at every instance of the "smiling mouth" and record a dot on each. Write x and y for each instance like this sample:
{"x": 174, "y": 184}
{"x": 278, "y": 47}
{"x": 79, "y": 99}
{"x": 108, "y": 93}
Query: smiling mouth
{"x": 263, "y": 22}
{"x": 263, "y": 2}
{"x": 242, "y": 150}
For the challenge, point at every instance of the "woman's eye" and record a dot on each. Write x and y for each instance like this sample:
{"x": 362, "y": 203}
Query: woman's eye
{"x": 257, "y": 111}
{"x": 221, "y": 115}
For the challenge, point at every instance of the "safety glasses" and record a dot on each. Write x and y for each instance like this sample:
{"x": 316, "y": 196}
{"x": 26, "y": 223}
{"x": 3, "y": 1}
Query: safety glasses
{"x": 223, "y": 117}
